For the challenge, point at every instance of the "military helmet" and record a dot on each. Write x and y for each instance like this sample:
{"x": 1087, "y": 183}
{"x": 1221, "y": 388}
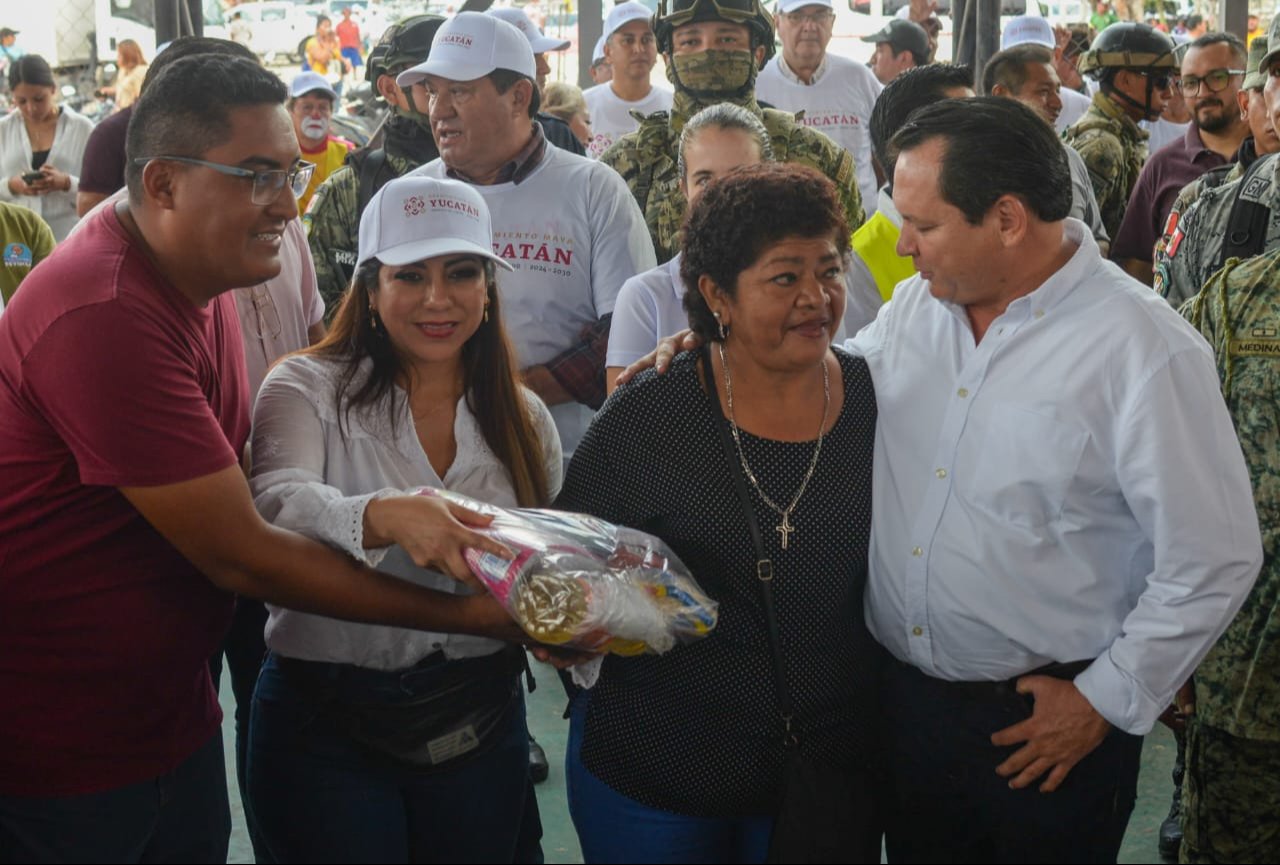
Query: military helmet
{"x": 673, "y": 13}
{"x": 403, "y": 45}
{"x": 1129, "y": 45}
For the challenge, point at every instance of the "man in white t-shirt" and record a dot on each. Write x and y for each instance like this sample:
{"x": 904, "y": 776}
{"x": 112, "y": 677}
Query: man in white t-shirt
{"x": 835, "y": 93}
{"x": 630, "y": 48}
{"x": 568, "y": 226}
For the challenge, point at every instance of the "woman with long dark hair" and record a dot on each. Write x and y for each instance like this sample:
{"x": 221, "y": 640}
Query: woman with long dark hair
{"x": 373, "y": 743}
{"x": 41, "y": 146}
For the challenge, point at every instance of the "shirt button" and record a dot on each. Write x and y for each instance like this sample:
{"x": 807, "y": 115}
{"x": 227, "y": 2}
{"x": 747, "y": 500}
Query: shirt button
{"x": 1039, "y": 313}
{"x": 963, "y": 392}
{"x": 917, "y": 552}
{"x": 941, "y": 473}
{"x": 917, "y": 631}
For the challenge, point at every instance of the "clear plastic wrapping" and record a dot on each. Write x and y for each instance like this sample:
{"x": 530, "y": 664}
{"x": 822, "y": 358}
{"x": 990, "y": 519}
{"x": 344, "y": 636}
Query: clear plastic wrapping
{"x": 583, "y": 583}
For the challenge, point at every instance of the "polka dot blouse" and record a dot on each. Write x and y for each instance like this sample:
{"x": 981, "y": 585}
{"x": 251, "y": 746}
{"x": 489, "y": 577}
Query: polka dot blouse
{"x": 697, "y": 731}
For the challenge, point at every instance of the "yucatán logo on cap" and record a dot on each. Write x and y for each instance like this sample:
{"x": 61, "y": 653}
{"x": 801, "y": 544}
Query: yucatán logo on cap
{"x": 413, "y": 205}
{"x": 462, "y": 40}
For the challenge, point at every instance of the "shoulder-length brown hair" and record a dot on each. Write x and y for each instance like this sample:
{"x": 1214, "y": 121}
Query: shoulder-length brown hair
{"x": 490, "y": 380}
{"x": 130, "y": 54}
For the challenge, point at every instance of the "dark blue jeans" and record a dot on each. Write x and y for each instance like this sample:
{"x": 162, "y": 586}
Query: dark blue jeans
{"x": 949, "y": 805}
{"x": 182, "y": 816}
{"x": 319, "y": 797}
{"x": 615, "y": 828}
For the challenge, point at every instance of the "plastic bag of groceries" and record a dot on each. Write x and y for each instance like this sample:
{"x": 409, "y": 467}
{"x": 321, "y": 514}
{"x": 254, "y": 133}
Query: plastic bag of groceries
{"x": 584, "y": 583}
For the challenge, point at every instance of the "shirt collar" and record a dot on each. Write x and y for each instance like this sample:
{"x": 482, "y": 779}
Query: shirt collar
{"x": 520, "y": 166}
{"x": 1061, "y": 282}
{"x": 791, "y": 76}
{"x": 1195, "y": 148}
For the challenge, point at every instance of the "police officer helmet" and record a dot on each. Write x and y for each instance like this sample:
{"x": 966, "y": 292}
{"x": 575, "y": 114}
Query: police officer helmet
{"x": 403, "y": 45}
{"x": 673, "y": 13}
{"x": 1129, "y": 45}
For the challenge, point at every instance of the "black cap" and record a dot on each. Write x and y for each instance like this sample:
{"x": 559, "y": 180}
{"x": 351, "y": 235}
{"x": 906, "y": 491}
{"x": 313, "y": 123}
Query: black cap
{"x": 903, "y": 35}
{"x": 7, "y": 31}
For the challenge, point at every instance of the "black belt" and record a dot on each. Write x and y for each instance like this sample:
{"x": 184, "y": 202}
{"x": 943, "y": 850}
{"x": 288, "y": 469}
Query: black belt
{"x": 1000, "y": 689}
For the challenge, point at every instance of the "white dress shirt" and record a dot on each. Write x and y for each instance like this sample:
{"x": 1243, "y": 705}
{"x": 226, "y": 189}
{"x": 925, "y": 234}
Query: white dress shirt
{"x": 1069, "y": 488}
{"x": 309, "y": 478}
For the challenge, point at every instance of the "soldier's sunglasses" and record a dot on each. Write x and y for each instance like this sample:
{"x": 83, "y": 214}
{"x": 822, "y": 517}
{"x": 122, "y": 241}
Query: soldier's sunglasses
{"x": 1216, "y": 81}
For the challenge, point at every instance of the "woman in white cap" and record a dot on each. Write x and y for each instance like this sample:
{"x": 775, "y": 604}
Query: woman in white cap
{"x": 373, "y": 743}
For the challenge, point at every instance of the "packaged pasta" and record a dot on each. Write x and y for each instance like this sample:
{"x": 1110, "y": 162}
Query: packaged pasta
{"x": 583, "y": 583}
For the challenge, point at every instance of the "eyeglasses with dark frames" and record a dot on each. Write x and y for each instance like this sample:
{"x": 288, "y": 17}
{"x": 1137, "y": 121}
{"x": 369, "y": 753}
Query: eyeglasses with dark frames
{"x": 1216, "y": 80}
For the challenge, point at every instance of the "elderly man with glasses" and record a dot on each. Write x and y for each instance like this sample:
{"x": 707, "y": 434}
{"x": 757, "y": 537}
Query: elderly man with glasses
{"x": 1212, "y": 74}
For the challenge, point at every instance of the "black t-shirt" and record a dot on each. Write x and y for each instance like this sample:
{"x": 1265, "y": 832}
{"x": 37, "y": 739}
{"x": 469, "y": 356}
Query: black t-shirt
{"x": 697, "y": 731}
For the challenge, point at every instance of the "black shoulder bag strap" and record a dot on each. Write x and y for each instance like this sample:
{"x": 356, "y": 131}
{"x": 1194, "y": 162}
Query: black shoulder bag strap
{"x": 825, "y": 814}
{"x": 764, "y": 565}
{"x": 370, "y": 167}
{"x": 1247, "y": 226}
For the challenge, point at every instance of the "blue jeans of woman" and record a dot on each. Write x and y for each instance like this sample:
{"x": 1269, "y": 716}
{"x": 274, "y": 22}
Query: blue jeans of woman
{"x": 615, "y": 828}
{"x": 318, "y": 796}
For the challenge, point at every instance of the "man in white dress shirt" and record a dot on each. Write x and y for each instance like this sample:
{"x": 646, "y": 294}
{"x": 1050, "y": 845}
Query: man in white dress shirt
{"x": 1063, "y": 519}
{"x": 835, "y": 93}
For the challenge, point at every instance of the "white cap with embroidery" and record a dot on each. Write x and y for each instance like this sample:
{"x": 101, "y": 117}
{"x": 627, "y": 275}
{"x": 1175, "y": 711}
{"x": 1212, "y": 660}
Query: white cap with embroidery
{"x": 411, "y": 219}
{"x": 1025, "y": 29}
{"x": 522, "y": 22}
{"x": 471, "y": 45}
{"x": 793, "y": 5}
{"x": 623, "y": 14}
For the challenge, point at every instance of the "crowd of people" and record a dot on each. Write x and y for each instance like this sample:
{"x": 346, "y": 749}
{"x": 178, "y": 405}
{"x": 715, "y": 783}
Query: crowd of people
{"x": 952, "y": 391}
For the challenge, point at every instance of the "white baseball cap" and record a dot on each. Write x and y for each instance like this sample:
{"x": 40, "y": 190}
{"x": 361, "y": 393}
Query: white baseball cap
{"x": 415, "y": 218}
{"x": 598, "y": 53}
{"x": 306, "y": 82}
{"x": 1023, "y": 29}
{"x": 793, "y": 5}
{"x": 522, "y": 22}
{"x": 625, "y": 13}
{"x": 471, "y": 45}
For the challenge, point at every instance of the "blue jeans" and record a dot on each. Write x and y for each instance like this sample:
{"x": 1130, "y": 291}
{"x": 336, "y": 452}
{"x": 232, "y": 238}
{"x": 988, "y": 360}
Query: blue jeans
{"x": 182, "y": 816}
{"x": 318, "y": 797}
{"x": 614, "y": 828}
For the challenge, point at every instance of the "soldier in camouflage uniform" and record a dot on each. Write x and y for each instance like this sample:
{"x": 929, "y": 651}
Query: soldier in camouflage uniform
{"x": 1188, "y": 251}
{"x": 1232, "y": 793}
{"x": 1134, "y": 65}
{"x": 646, "y": 158}
{"x": 333, "y": 218}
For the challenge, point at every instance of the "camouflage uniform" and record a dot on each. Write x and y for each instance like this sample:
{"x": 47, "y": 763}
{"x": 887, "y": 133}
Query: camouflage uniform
{"x": 1113, "y": 148}
{"x": 1192, "y": 241}
{"x": 333, "y": 226}
{"x": 1232, "y": 793}
{"x": 646, "y": 159}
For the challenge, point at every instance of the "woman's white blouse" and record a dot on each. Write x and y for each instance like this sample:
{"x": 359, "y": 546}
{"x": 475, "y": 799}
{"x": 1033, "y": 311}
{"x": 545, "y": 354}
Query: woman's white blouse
{"x": 69, "y": 140}
{"x": 311, "y": 478}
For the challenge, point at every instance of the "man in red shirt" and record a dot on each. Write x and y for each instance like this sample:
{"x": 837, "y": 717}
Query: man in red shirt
{"x": 349, "y": 39}
{"x": 125, "y": 521}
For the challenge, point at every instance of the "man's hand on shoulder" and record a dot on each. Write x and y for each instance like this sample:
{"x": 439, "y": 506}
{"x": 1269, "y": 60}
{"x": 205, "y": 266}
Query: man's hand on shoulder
{"x": 1062, "y": 730}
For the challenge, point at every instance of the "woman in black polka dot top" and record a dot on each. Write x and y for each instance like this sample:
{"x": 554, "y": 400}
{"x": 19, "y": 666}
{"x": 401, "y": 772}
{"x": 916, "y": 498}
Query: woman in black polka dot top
{"x": 679, "y": 757}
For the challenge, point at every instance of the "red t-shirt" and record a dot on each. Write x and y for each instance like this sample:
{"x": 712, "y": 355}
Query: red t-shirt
{"x": 348, "y": 34}
{"x": 109, "y": 377}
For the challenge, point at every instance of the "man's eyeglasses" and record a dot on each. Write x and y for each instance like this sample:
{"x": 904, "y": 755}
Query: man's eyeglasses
{"x": 800, "y": 19}
{"x": 1216, "y": 81}
{"x": 266, "y": 184}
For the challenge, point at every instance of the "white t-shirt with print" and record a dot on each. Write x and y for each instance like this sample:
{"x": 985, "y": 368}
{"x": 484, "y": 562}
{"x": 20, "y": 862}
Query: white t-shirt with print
{"x": 838, "y": 103}
{"x": 574, "y": 234}
{"x": 611, "y": 117}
